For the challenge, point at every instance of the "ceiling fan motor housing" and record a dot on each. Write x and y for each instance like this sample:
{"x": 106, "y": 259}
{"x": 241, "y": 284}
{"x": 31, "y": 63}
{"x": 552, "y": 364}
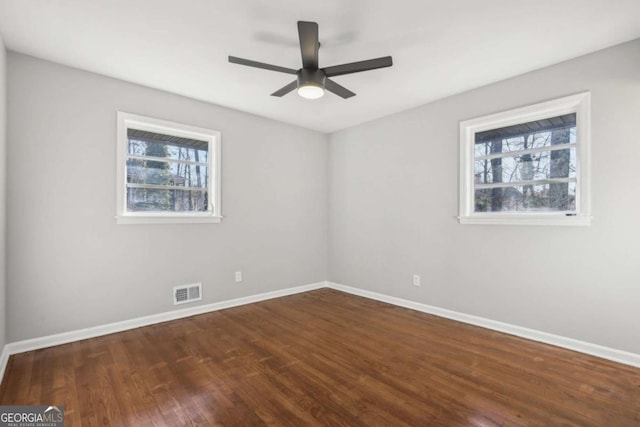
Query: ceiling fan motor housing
{"x": 308, "y": 77}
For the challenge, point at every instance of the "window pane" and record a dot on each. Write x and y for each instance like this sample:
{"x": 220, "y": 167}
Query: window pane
{"x": 166, "y": 173}
{"x": 527, "y": 167}
{"x": 146, "y": 200}
{"x": 525, "y": 136}
{"x": 528, "y": 198}
{"x": 142, "y": 143}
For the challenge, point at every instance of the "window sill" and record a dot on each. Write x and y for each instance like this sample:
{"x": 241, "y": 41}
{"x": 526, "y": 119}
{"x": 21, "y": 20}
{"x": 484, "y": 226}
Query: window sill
{"x": 554, "y": 220}
{"x": 165, "y": 219}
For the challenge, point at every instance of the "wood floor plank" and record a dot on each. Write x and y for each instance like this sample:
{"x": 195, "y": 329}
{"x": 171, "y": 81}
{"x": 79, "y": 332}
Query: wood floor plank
{"x": 322, "y": 358}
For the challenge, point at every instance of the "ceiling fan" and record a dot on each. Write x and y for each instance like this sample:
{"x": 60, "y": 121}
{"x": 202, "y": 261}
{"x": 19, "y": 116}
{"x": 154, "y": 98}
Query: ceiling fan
{"x": 312, "y": 80}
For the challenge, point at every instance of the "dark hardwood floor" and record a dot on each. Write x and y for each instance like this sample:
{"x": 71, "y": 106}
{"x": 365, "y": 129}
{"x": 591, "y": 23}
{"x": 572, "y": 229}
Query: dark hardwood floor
{"x": 322, "y": 358}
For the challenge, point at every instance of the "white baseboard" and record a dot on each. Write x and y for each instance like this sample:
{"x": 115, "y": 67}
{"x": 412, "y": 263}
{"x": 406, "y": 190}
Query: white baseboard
{"x": 4, "y": 359}
{"x": 615, "y": 355}
{"x": 96, "y": 331}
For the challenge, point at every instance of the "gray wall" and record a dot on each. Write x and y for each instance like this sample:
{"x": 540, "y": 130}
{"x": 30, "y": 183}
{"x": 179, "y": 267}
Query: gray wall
{"x": 3, "y": 197}
{"x": 394, "y": 195}
{"x": 70, "y": 266}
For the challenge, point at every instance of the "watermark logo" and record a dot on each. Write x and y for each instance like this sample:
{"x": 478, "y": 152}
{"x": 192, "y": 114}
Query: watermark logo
{"x": 31, "y": 416}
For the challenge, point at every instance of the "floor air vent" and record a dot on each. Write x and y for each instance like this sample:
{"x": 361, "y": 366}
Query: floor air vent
{"x": 187, "y": 293}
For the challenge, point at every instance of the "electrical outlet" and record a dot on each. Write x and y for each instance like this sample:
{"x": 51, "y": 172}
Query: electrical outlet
{"x": 238, "y": 276}
{"x": 416, "y": 280}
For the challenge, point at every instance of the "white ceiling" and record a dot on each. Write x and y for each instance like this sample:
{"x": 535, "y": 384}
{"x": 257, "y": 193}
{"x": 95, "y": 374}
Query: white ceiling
{"x": 439, "y": 47}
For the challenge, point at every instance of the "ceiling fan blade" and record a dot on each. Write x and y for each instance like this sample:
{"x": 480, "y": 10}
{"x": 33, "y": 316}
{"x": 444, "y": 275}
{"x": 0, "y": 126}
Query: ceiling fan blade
{"x": 309, "y": 45}
{"x": 250, "y": 63}
{"x": 356, "y": 67}
{"x": 341, "y": 91}
{"x": 285, "y": 90}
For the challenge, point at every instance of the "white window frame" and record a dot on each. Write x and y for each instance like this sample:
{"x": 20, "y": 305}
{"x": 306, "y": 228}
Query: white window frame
{"x": 213, "y": 138}
{"x": 580, "y": 104}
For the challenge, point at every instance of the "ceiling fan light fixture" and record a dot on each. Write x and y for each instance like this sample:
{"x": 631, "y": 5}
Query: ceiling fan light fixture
{"x": 312, "y": 81}
{"x": 311, "y": 91}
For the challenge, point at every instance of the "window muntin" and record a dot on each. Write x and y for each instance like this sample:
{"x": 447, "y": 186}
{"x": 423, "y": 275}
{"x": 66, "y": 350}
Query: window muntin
{"x": 527, "y": 166}
{"x": 167, "y": 172}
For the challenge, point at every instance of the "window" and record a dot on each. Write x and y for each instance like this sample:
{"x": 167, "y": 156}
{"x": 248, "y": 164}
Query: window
{"x": 167, "y": 172}
{"x": 527, "y": 166}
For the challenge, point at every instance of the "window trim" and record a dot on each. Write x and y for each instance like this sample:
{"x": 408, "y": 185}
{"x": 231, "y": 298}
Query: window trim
{"x": 580, "y": 104}
{"x": 213, "y": 138}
